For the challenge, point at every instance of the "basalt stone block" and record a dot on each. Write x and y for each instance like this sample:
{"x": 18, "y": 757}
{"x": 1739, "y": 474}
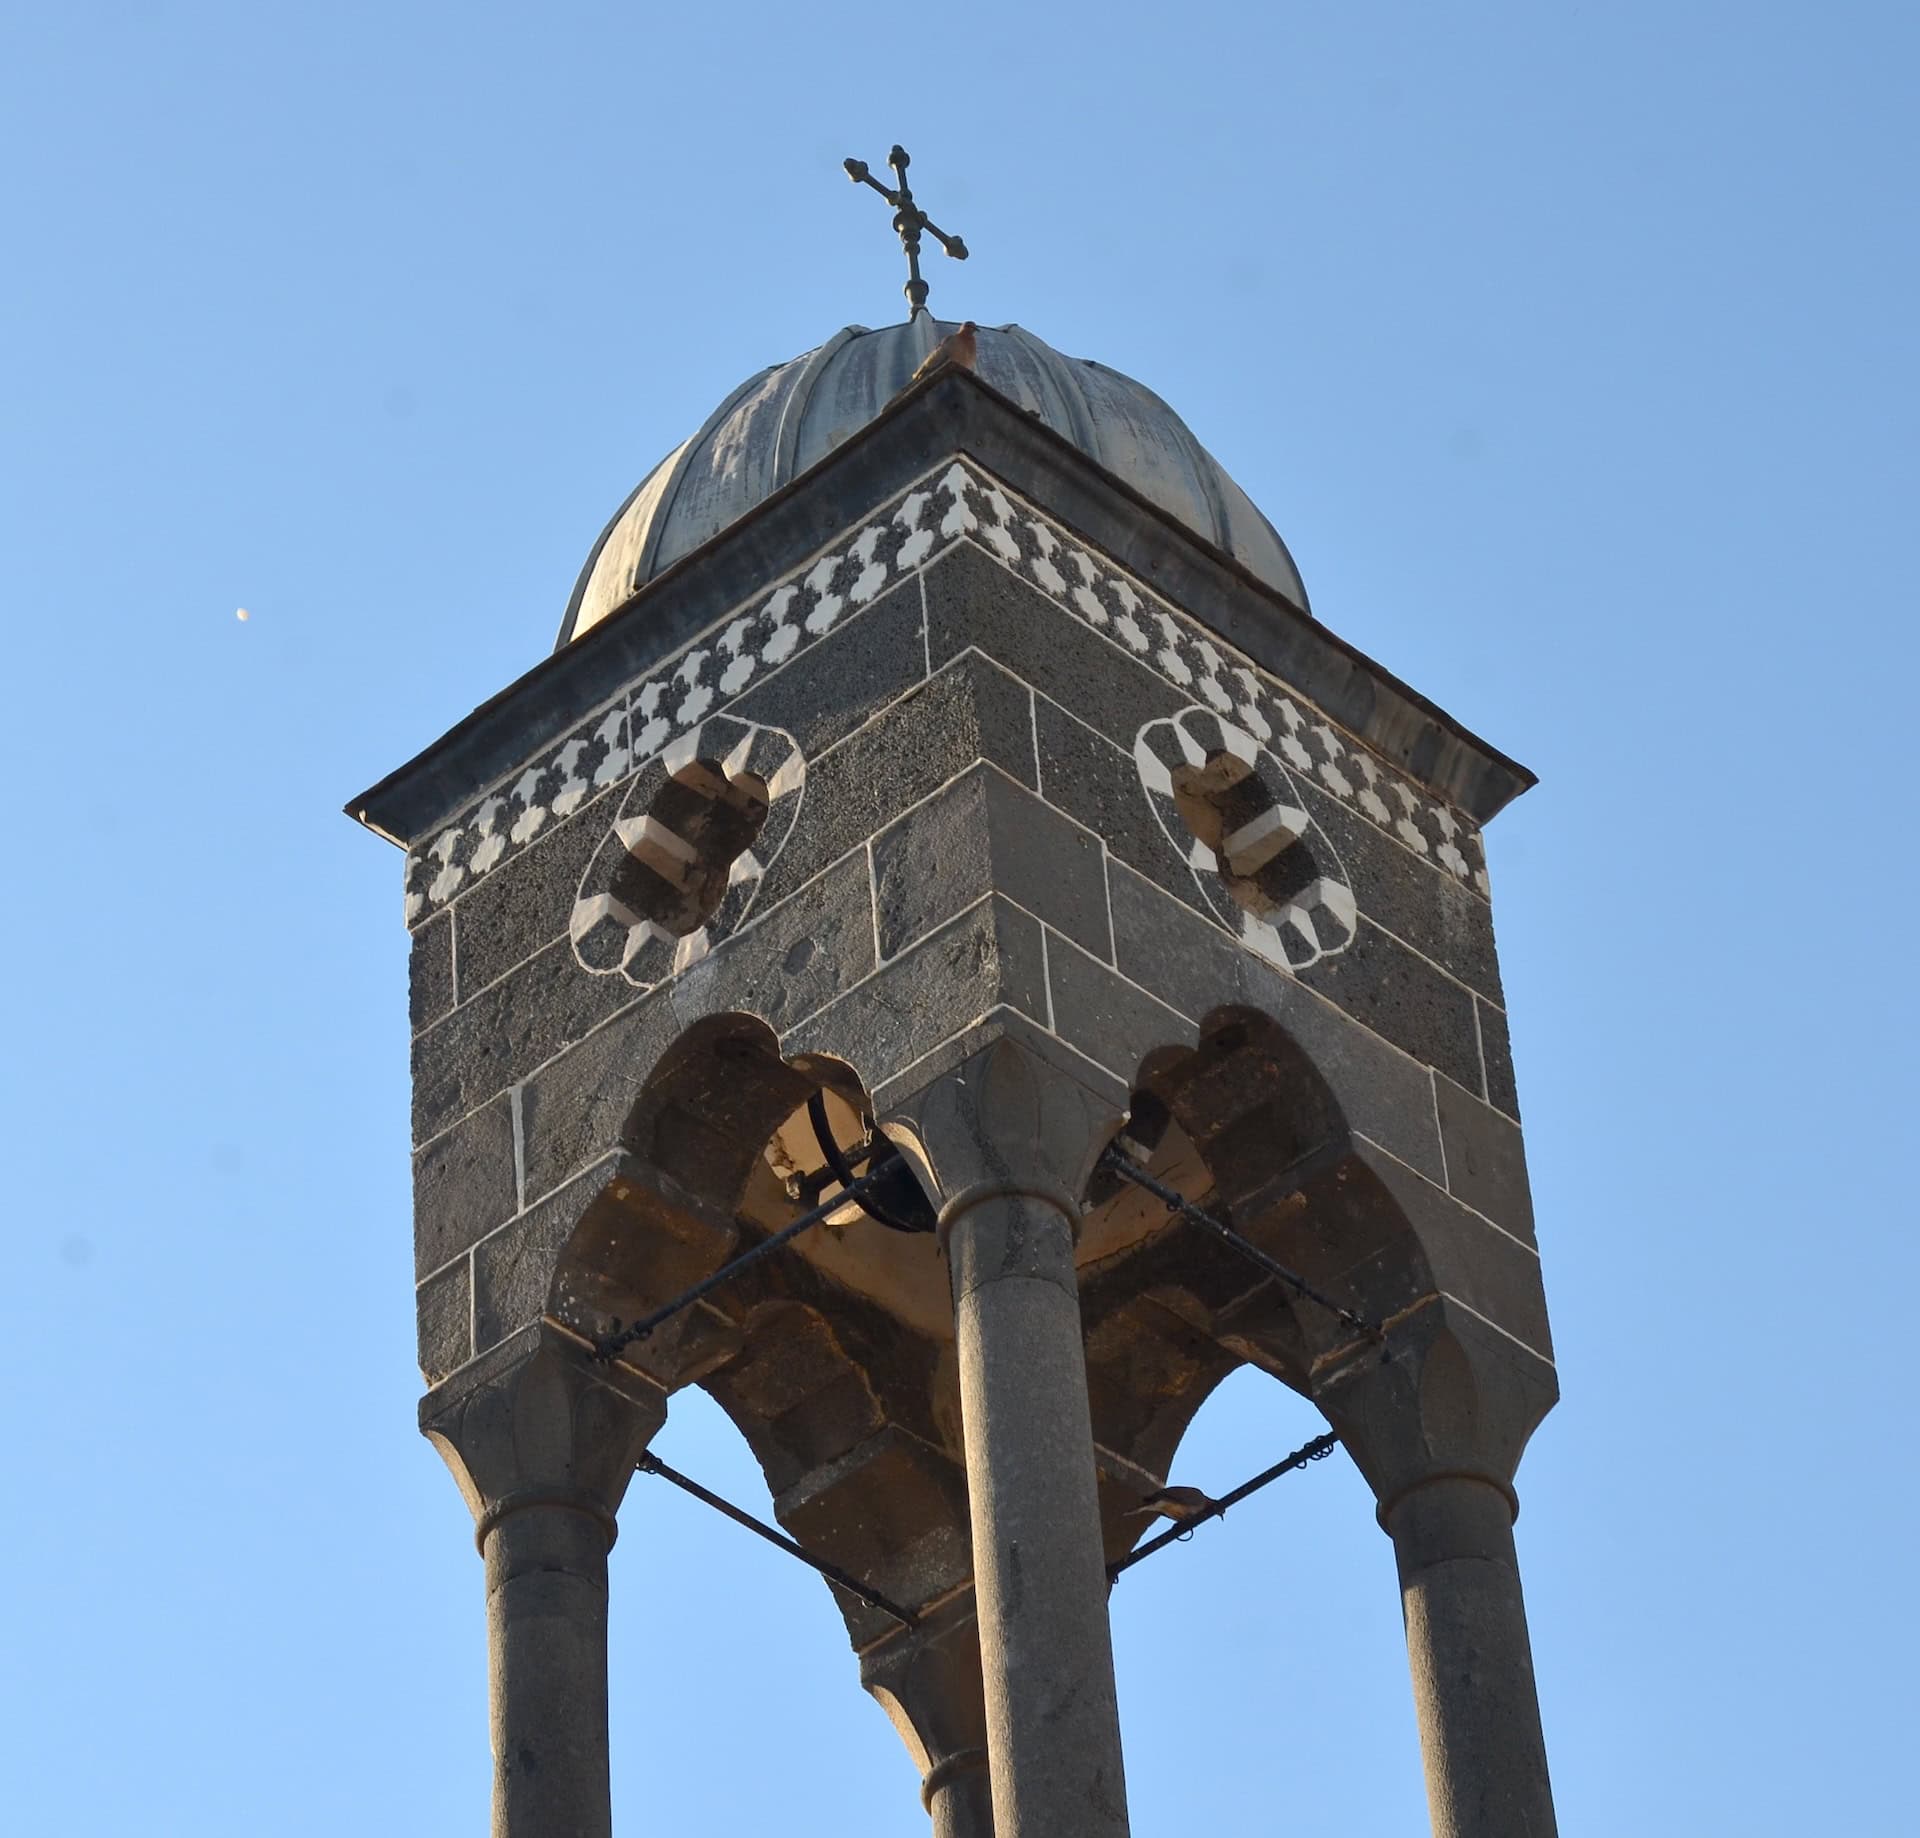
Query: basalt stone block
{"x": 972, "y": 600}
{"x": 1404, "y": 999}
{"x": 1109, "y": 1019}
{"x": 464, "y": 1183}
{"x": 794, "y": 959}
{"x": 430, "y": 972}
{"x": 1002, "y": 1023}
{"x": 573, "y": 1110}
{"x": 989, "y": 956}
{"x": 443, "y": 1310}
{"x": 1417, "y": 901}
{"x": 507, "y": 1031}
{"x": 874, "y": 1508}
{"x": 1492, "y": 1273}
{"x": 1096, "y": 783}
{"x": 985, "y": 834}
{"x": 1486, "y": 1164}
{"x": 846, "y": 677}
{"x": 1496, "y": 1056}
{"x": 508, "y": 914}
{"x": 1191, "y": 964}
{"x": 513, "y": 1267}
{"x": 970, "y": 710}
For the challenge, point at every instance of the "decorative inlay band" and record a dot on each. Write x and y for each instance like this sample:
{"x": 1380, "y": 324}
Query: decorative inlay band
{"x": 956, "y": 502}
{"x": 682, "y": 691}
{"x": 1186, "y": 655}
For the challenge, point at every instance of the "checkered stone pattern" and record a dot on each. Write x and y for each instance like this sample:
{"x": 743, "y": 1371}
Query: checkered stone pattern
{"x": 776, "y": 627}
{"x": 1182, "y": 652}
{"x": 1316, "y": 921}
{"x": 957, "y": 502}
{"x": 511, "y": 816}
{"x": 607, "y": 937}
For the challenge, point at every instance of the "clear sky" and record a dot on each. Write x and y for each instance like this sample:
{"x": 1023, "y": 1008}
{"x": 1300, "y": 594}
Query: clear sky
{"x": 1571, "y": 348}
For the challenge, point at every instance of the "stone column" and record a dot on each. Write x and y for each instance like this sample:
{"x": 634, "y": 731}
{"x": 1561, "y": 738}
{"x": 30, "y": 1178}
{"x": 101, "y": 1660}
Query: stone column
{"x": 1473, "y": 1687}
{"x": 543, "y": 1443}
{"x": 1005, "y": 1143}
{"x": 927, "y": 1679}
{"x": 1438, "y": 1430}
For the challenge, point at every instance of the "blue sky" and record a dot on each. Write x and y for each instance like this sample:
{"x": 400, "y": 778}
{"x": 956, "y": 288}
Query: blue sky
{"x": 1570, "y": 348}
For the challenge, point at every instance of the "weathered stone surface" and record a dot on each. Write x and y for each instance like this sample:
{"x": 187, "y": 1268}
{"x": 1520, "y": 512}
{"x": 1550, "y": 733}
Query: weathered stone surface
{"x": 1486, "y": 1164}
{"x": 1417, "y": 901}
{"x": 1191, "y": 964}
{"x": 846, "y": 677}
{"x": 793, "y": 960}
{"x": 464, "y": 1184}
{"x": 973, "y": 601}
{"x": 430, "y": 972}
{"x": 1095, "y": 783}
{"x": 443, "y": 1310}
{"x": 1109, "y": 1019}
{"x": 572, "y": 1111}
{"x": 543, "y": 1443}
{"x": 984, "y": 834}
{"x": 1496, "y": 1055}
{"x": 506, "y": 1032}
{"x": 928, "y": 1682}
{"x": 1002, "y": 1023}
{"x": 1472, "y": 1662}
{"x": 513, "y": 1267}
{"x": 990, "y": 954}
{"x": 892, "y": 1509}
{"x": 970, "y": 710}
{"x": 1459, "y": 1396}
{"x": 1488, "y": 1269}
{"x": 1007, "y": 1143}
{"x": 1404, "y": 999}
{"x": 505, "y": 917}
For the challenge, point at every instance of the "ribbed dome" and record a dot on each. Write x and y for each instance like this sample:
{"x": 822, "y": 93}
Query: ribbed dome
{"x": 779, "y": 423}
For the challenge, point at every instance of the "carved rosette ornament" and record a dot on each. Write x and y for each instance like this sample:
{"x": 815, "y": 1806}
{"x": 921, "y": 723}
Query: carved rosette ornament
{"x": 1231, "y": 809}
{"x": 682, "y": 863}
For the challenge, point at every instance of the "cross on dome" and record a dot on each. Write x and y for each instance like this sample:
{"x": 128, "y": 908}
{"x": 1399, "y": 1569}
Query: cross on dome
{"x": 909, "y": 219}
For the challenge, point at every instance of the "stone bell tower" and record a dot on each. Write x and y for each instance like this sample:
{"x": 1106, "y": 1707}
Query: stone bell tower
{"x": 941, "y": 809}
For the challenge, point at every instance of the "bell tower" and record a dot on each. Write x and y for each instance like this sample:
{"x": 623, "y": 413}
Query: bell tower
{"x": 950, "y": 956}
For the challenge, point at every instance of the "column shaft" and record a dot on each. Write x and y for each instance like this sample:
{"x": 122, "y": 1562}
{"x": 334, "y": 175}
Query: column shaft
{"x": 1039, "y": 1570}
{"x": 547, "y": 1650}
{"x": 962, "y": 1806}
{"x": 1473, "y": 1686}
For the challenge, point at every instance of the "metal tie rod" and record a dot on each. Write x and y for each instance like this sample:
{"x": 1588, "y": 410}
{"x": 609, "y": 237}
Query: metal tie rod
{"x": 650, "y": 1463}
{"x": 1178, "y": 1202}
{"x": 609, "y": 1345}
{"x": 1316, "y": 1450}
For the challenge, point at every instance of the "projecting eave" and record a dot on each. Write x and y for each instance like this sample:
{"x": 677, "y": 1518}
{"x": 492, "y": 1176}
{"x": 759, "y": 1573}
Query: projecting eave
{"x": 950, "y": 413}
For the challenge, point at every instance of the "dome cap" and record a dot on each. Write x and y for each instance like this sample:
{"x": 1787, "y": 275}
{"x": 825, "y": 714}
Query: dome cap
{"x": 778, "y": 424}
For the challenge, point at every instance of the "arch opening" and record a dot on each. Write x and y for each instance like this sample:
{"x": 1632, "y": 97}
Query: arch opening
{"x": 1243, "y": 1124}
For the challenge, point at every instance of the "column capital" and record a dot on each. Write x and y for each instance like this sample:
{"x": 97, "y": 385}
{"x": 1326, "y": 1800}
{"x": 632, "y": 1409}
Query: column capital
{"x": 1008, "y": 1122}
{"x": 1454, "y": 1399}
{"x": 537, "y": 1422}
{"x": 928, "y": 1681}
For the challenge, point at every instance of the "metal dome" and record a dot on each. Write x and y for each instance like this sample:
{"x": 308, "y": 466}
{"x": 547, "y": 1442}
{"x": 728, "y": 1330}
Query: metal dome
{"x": 779, "y": 423}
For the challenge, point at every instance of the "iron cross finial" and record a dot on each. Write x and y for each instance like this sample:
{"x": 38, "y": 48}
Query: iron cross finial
{"x": 909, "y": 219}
